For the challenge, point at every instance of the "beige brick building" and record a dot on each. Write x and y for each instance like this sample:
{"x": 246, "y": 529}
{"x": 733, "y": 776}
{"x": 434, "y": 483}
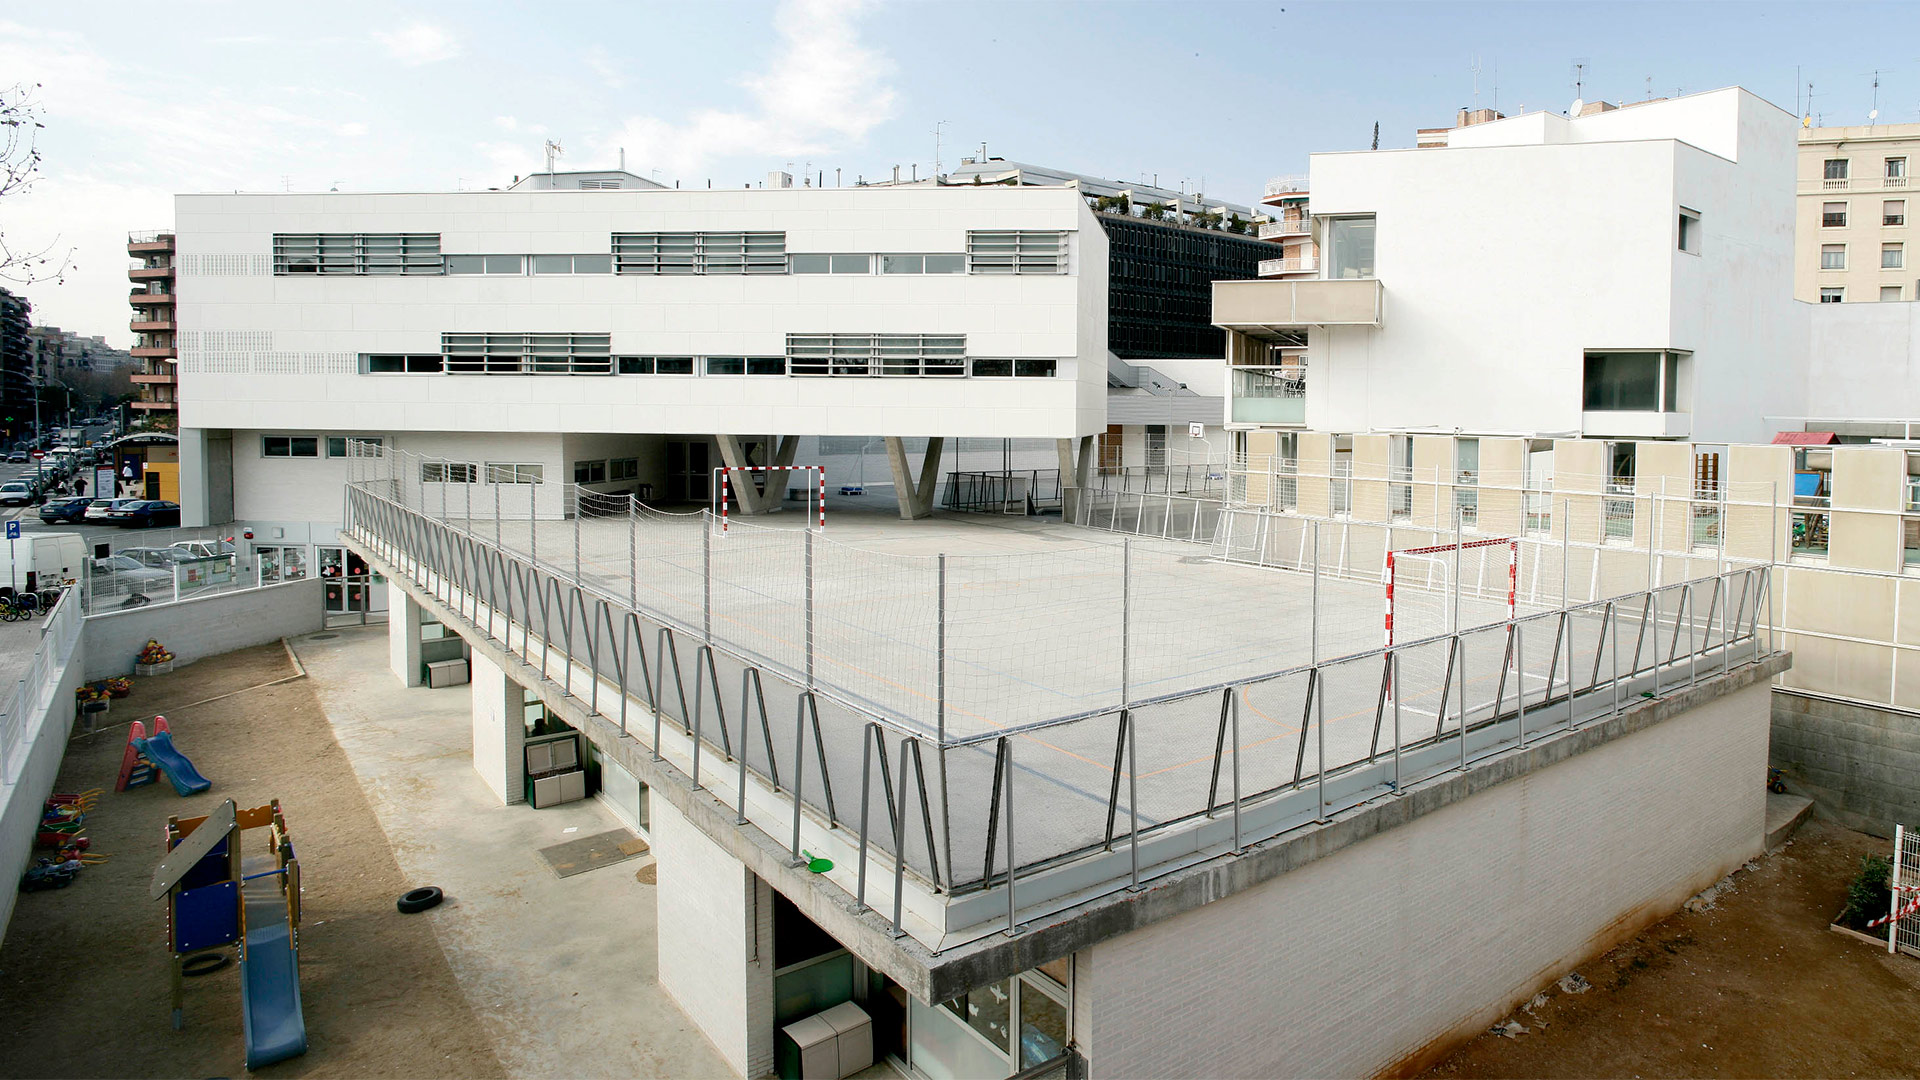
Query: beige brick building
{"x": 1851, "y": 230}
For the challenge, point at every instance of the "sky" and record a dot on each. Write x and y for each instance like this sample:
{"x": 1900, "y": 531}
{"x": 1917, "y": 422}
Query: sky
{"x": 142, "y": 100}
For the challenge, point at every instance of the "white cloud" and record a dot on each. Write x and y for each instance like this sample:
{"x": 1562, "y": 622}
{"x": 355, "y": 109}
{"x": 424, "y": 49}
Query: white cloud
{"x": 822, "y": 90}
{"x": 418, "y": 43}
{"x": 351, "y": 130}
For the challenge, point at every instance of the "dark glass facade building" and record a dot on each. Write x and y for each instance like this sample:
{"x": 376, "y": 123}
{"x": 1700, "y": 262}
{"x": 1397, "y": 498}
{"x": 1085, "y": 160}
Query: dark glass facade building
{"x": 1160, "y": 285}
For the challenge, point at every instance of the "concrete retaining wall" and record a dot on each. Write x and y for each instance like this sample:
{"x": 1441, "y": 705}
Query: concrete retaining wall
{"x": 1860, "y": 765}
{"x": 1380, "y": 956}
{"x": 208, "y": 626}
{"x": 20, "y": 815}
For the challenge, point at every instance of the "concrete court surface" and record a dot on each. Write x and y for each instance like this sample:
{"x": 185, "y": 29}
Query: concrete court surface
{"x": 561, "y": 973}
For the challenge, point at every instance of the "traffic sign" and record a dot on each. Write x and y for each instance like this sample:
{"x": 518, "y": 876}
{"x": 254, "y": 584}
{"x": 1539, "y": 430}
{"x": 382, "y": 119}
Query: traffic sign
{"x": 13, "y": 530}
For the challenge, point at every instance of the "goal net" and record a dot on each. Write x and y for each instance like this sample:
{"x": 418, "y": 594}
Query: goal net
{"x": 767, "y": 487}
{"x": 1423, "y": 583}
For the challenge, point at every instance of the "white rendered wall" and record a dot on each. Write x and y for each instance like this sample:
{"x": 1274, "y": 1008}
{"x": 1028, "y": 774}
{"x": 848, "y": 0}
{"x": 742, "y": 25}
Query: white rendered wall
{"x": 716, "y": 941}
{"x": 1350, "y": 964}
{"x": 281, "y": 352}
{"x": 499, "y": 728}
{"x": 1863, "y": 363}
{"x": 1508, "y": 255}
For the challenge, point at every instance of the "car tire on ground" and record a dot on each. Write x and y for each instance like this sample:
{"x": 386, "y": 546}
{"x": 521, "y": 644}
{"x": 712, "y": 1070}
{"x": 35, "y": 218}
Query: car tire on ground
{"x": 418, "y": 900}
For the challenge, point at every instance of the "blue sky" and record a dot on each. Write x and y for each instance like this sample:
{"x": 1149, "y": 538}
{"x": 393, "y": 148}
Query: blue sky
{"x": 144, "y": 100}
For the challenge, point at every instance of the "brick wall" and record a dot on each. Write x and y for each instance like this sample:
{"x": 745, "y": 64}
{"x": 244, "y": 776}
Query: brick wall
{"x": 1859, "y": 764}
{"x": 1426, "y": 934}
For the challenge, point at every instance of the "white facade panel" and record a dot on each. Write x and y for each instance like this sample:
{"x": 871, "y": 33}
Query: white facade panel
{"x": 1507, "y": 256}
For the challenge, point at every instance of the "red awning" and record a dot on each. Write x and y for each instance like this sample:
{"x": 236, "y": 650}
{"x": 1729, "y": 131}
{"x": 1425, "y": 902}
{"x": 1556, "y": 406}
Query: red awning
{"x": 1805, "y": 438}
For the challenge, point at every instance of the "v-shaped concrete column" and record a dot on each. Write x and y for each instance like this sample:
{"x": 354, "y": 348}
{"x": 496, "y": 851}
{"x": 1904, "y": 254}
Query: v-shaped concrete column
{"x": 915, "y": 497}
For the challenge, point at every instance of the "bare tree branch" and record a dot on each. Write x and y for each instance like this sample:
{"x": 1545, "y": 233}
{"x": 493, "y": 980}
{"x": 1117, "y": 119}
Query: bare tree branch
{"x": 20, "y": 127}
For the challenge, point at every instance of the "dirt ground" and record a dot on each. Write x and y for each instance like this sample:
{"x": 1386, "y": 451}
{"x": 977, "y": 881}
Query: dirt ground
{"x": 84, "y": 970}
{"x": 1755, "y": 985}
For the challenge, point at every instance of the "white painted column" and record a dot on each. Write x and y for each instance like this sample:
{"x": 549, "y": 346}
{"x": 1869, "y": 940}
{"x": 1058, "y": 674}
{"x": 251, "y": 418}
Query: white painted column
{"x": 716, "y": 941}
{"x": 499, "y": 730}
{"x": 403, "y": 637}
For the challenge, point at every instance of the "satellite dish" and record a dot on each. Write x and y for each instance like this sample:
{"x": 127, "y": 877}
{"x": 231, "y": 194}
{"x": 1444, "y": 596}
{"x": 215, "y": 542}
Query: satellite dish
{"x": 1874, "y": 115}
{"x": 1574, "y": 109}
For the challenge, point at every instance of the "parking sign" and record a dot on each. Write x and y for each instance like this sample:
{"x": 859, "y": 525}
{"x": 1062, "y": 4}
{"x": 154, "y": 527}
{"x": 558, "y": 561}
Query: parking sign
{"x": 13, "y": 530}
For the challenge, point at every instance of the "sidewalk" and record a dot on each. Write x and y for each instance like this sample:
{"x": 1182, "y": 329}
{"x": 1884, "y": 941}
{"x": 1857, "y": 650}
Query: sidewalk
{"x": 561, "y": 973}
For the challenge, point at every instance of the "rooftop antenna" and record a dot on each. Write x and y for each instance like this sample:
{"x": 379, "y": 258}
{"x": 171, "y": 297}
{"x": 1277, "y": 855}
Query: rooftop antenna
{"x": 1473, "y": 65}
{"x": 1496, "y": 86}
{"x": 623, "y": 159}
{"x": 1649, "y": 88}
{"x": 1875, "y": 114}
{"x": 937, "y": 126}
{"x": 553, "y": 151}
{"x": 1580, "y": 77}
{"x": 1376, "y": 130}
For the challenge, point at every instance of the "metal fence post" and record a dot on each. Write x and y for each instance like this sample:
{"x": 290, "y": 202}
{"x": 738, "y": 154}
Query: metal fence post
{"x": 1126, "y": 613}
{"x": 633, "y": 551}
{"x": 939, "y": 650}
{"x": 498, "y": 536}
{"x": 809, "y": 607}
{"x": 533, "y": 531}
{"x": 706, "y": 582}
{"x": 576, "y": 535}
{"x": 1313, "y": 621}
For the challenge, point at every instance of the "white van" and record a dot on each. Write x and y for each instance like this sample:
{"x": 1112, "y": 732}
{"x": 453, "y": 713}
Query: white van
{"x": 42, "y": 560}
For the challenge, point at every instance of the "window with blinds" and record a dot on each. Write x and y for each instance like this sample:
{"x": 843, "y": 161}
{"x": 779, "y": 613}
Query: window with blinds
{"x": 1016, "y": 251}
{"x": 527, "y": 354}
{"x": 877, "y": 354}
{"x": 700, "y": 253}
{"x": 357, "y": 253}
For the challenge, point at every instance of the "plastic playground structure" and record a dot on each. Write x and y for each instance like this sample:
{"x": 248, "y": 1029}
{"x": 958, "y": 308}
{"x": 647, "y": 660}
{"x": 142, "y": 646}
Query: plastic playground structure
{"x": 147, "y": 756}
{"x": 216, "y": 896}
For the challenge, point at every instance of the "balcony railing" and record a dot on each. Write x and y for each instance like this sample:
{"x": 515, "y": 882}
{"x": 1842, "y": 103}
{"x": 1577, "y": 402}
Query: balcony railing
{"x": 150, "y": 236}
{"x": 1304, "y": 265}
{"x": 1896, "y": 181}
{"x": 1287, "y": 185}
{"x": 141, "y": 296}
{"x": 1274, "y": 395}
{"x": 1274, "y": 230}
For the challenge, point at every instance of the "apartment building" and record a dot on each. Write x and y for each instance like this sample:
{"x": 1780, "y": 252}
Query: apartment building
{"x": 1850, "y": 226}
{"x": 1621, "y": 274}
{"x": 154, "y": 328}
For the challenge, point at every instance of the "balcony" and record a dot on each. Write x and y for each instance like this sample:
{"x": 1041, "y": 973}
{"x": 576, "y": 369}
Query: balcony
{"x": 1275, "y": 230}
{"x": 154, "y": 378}
{"x": 149, "y": 273}
{"x": 162, "y": 352}
{"x": 1303, "y": 264}
{"x": 138, "y": 297}
{"x": 1269, "y": 395}
{"x": 156, "y": 406}
{"x": 1286, "y": 187}
{"x": 148, "y": 326}
{"x": 1266, "y": 309}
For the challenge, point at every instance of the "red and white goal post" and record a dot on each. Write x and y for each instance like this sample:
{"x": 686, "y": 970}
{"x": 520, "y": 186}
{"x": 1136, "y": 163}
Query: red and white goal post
{"x": 816, "y": 488}
{"x": 1435, "y": 553}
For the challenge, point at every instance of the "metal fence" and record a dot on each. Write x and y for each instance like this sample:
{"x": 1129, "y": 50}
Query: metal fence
{"x": 696, "y": 645}
{"x": 164, "y": 578}
{"x": 27, "y": 702}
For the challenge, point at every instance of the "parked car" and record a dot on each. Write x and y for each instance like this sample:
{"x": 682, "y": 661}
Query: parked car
{"x": 98, "y": 508}
{"x": 18, "y": 457}
{"x": 69, "y": 509}
{"x": 160, "y": 558}
{"x": 144, "y": 513}
{"x": 17, "y": 493}
{"x": 124, "y": 575}
{"x": 204, "y": 549}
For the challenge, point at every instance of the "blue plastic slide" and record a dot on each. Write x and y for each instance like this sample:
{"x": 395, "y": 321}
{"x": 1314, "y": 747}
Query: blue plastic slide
{"x": 276, "y": 1029}
{"x": 180, "y": 772}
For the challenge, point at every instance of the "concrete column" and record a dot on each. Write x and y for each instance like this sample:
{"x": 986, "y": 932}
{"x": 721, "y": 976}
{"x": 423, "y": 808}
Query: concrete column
{"x": 734, "y": 456}
{"x": 715, "y": 923}
{"x": 499, "y": 730}
{"x": 914, "y": 496}
{"x": 403, "y": 637}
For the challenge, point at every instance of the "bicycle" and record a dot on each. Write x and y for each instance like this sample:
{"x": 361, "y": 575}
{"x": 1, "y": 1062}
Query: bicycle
{"x": 13, "y": 610}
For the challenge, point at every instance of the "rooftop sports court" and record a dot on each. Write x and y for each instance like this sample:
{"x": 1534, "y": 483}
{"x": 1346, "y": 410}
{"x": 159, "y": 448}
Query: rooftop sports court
{"x": 1092, "y": 675}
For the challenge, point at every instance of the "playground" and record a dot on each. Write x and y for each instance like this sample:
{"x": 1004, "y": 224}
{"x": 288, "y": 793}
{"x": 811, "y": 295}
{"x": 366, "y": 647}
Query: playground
{"x": 379, "y": 997}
